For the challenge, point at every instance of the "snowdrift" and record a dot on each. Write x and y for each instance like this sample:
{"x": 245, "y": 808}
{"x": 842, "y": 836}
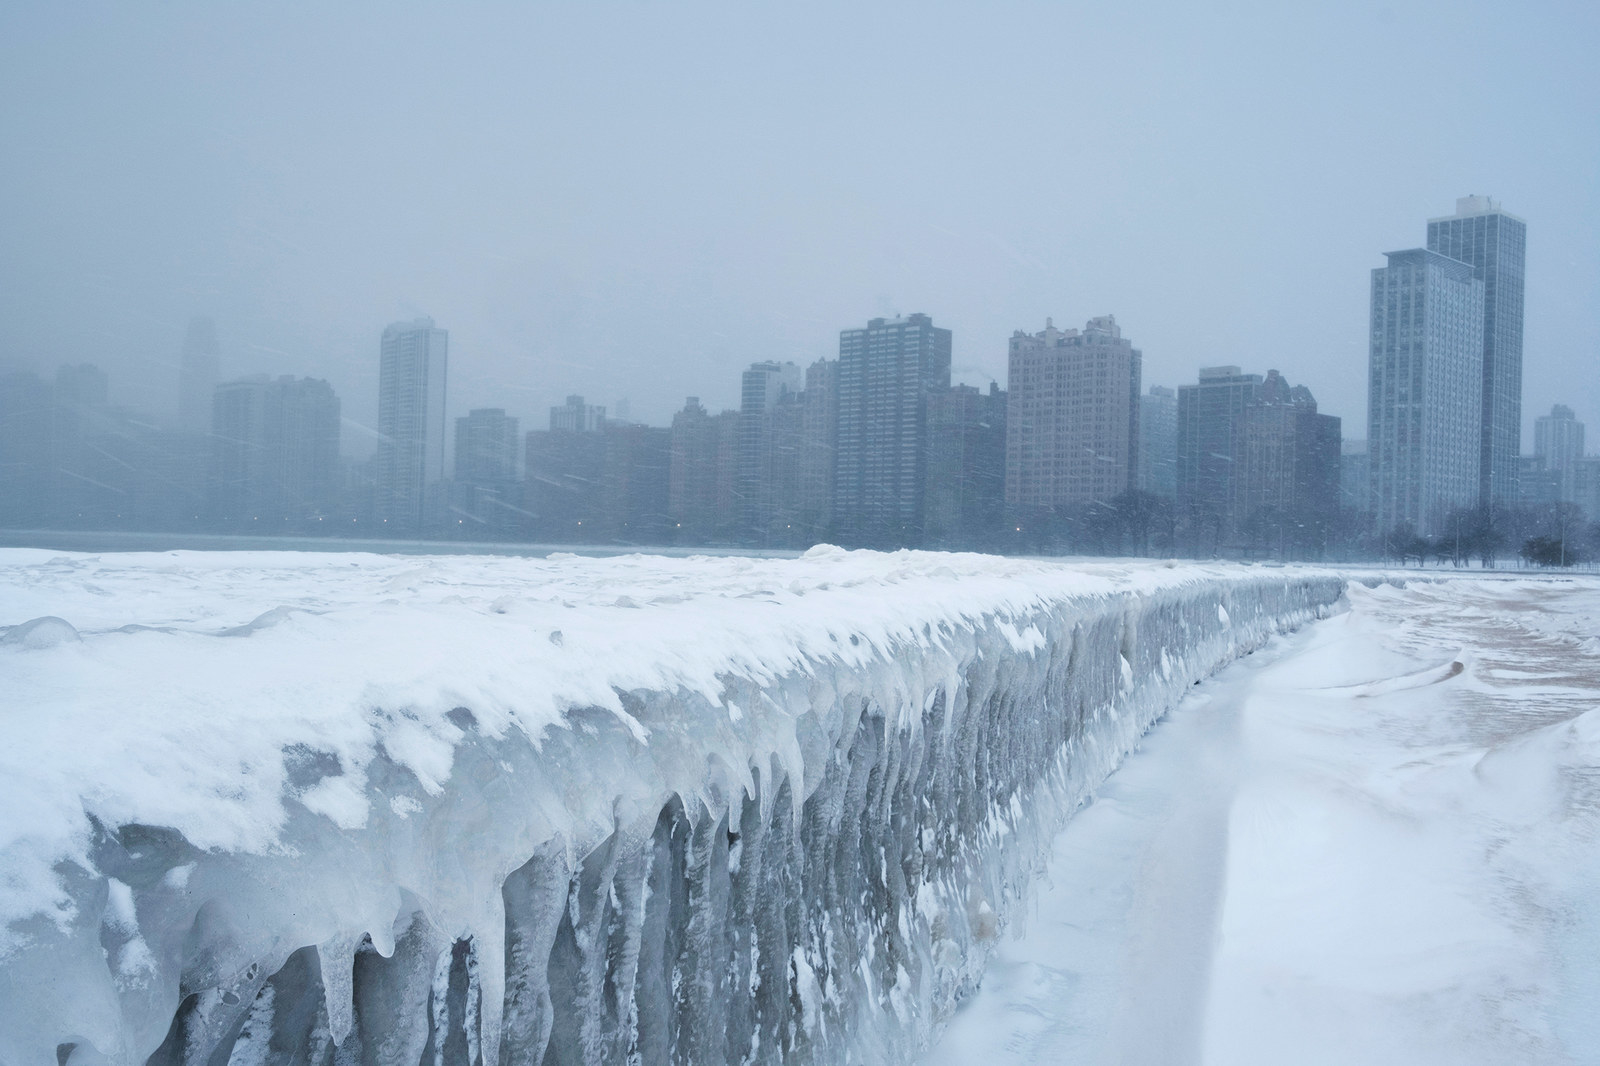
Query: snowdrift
{"x": 280, "y": 807}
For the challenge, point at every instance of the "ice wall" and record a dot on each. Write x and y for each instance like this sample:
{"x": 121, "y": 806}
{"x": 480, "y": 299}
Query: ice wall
{"x": 654, "y": 811}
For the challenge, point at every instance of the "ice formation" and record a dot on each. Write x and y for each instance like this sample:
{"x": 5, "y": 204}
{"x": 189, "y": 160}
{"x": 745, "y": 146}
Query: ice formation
{"x": 1372, "y": 842}
{"x": 285, "y": 808}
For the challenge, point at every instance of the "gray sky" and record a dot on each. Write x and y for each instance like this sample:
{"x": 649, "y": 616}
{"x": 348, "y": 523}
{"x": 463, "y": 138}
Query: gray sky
{"x": 640, "y": 199}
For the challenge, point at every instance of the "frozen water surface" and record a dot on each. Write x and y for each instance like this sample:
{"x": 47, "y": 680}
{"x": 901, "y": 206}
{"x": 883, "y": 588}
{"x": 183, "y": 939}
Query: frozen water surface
{"x": 1373, "y": 841}
{"x": 280, "y": 807}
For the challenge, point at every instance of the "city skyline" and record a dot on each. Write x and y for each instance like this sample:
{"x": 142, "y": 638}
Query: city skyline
{"x": 1172, "y": 198}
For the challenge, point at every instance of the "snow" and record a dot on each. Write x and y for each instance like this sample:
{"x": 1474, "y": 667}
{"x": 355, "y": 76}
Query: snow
{"x": 294, "y": 787}
{"x": 1372, "y": 841}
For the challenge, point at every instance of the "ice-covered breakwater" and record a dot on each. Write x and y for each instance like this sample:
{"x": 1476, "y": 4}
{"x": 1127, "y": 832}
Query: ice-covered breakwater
{"x": 359, "y": 809}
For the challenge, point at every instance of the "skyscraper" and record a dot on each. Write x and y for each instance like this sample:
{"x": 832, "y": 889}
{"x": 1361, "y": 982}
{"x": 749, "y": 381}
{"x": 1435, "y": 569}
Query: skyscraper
{"x": 699, "y": 509}
{"x": 1425, "y": 390}
{"x": 1558, "y": 445}
{"x": 819, "y": 436}
{"x": 487, "y": 444}
{"x": 1290, "y": 494}
{"x": 1072, "y": 415}
{"x": 1355, "y": 478}
{"x": 486, "y": 447}
{"x": 1493, "y": 243}
{"x": 886, "y": 373}
{"x": 1558, "y": 438}
{"x": 1211, "y": 455}
{"x": 966, "y": 467}
{"x": 1158, "y": 442}
{"x": 274, "y": 453}
{"x": 577, "y": 416}
{"x": 412, "y": 378}
{"x": 197, "y": 376}
{"x": 765, "y": 453}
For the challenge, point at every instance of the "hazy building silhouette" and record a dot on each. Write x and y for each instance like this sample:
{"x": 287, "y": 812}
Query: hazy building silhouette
{"x": 412, "y": 387}
{"x": 634, "y": 484}
{"x": 1290, "y": 491}
{"x": 1355, "y": 477}
{"x": 1586, "y": 486}
{"x": 699, "y": 488}
{"x": 966, "y": 467}
{"x": 562, "y": 482}
{"x": 84, "y": 446}
{"x": 1494, "y": 244}
{"x": 1072, "y": 419}
{"x": 486, "y": 482}
{"x": 1425, "y": 390}
{"x": 1158, "y": 442}
{"x": 274, "y": 454}
{"x": 197, "y": 375}
{"x": 887, "y": 371}
{"x": 70, "y": 460}
{"x": 769, "y": 448}
{"x": 1558, "y": 445}
{"x": 27, "y": 451}
{"x": 1538, "y": 486}
{"x": 819, "y": 438}
{"x": 575, "y": 416}
{"x": 82, "y": 385}
{"x": 1211, "y": 456}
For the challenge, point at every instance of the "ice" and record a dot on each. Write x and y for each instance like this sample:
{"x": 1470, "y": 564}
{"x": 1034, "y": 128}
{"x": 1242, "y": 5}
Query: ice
{"x": 1372, "y": 841}
{"x": 564, "y": 810}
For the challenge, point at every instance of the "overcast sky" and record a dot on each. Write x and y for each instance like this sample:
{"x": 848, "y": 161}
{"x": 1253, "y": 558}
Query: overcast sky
{"x": 638, "y": 200}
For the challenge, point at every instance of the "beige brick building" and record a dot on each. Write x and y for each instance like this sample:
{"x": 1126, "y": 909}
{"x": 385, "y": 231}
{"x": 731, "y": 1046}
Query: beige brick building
{"x": 1072, "y": 418}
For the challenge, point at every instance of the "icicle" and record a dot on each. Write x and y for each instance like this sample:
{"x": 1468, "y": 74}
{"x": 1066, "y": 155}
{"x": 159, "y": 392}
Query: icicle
{"x": 336, "y": 957}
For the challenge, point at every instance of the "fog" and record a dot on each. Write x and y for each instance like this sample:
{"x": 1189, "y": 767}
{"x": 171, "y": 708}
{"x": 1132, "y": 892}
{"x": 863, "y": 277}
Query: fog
{"x": 637, "y": 200}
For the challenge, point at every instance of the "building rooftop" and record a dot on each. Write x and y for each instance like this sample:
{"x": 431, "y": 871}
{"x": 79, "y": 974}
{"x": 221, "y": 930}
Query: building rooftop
{"x": 1470, "y": 206}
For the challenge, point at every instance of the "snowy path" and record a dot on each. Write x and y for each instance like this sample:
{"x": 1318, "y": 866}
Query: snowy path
{"x": 1341, "y": 849}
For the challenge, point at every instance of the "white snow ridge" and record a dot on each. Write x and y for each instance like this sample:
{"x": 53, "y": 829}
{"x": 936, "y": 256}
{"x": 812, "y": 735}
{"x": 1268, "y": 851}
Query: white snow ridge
{"x": 327, "y": 809}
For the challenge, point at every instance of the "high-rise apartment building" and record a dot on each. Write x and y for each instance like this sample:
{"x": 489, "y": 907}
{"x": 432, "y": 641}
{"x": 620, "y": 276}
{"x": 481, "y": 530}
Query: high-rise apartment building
{"x": 1425, "y": 390}
{"x": 274, "y": 454}
{"x": 1558, "y": 437}
{"x": 197, "y": 376}
{"x": 1493, "y": 243}
{"x": 1586, "y": 486}
{"x": 1558, "y": 445}
{"x": 1290, "y": 490}
{"x": 486, "y": 447}
{"x": 1355, "y": 478}
{"x": 769, "y": 448}
{"x": 887, "y": 371}
{"x": 1211, "y": 446}
{"x": 412, "y": 380}
{"x": 486, "y": 483}
{"x": 1072, "y": 416}
{"x": 699, "y": 491}
{"x": 966, "y": 467}
{"x": 818, "y": 438}
{"x": 561, "y": 488}
{"x": 1158, "y": 442}
{"x": 634, "y": 484}
{"x": 577, "y": 417}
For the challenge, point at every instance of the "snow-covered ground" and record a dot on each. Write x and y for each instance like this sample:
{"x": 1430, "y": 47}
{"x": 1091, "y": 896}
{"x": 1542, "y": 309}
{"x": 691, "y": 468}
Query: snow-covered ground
{"x": 591, "y": 810}
{"x": 1345, "y": 848}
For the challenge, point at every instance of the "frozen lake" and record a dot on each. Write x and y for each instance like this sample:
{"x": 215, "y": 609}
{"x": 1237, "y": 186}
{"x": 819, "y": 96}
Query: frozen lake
{"x": 1344, "y": 848}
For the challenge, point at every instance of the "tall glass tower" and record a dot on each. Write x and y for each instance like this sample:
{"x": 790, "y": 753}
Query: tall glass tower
{"x": 411, "y": 405}
{"x": 1493, "y": 243}
{"x": 1424, "y": 384}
